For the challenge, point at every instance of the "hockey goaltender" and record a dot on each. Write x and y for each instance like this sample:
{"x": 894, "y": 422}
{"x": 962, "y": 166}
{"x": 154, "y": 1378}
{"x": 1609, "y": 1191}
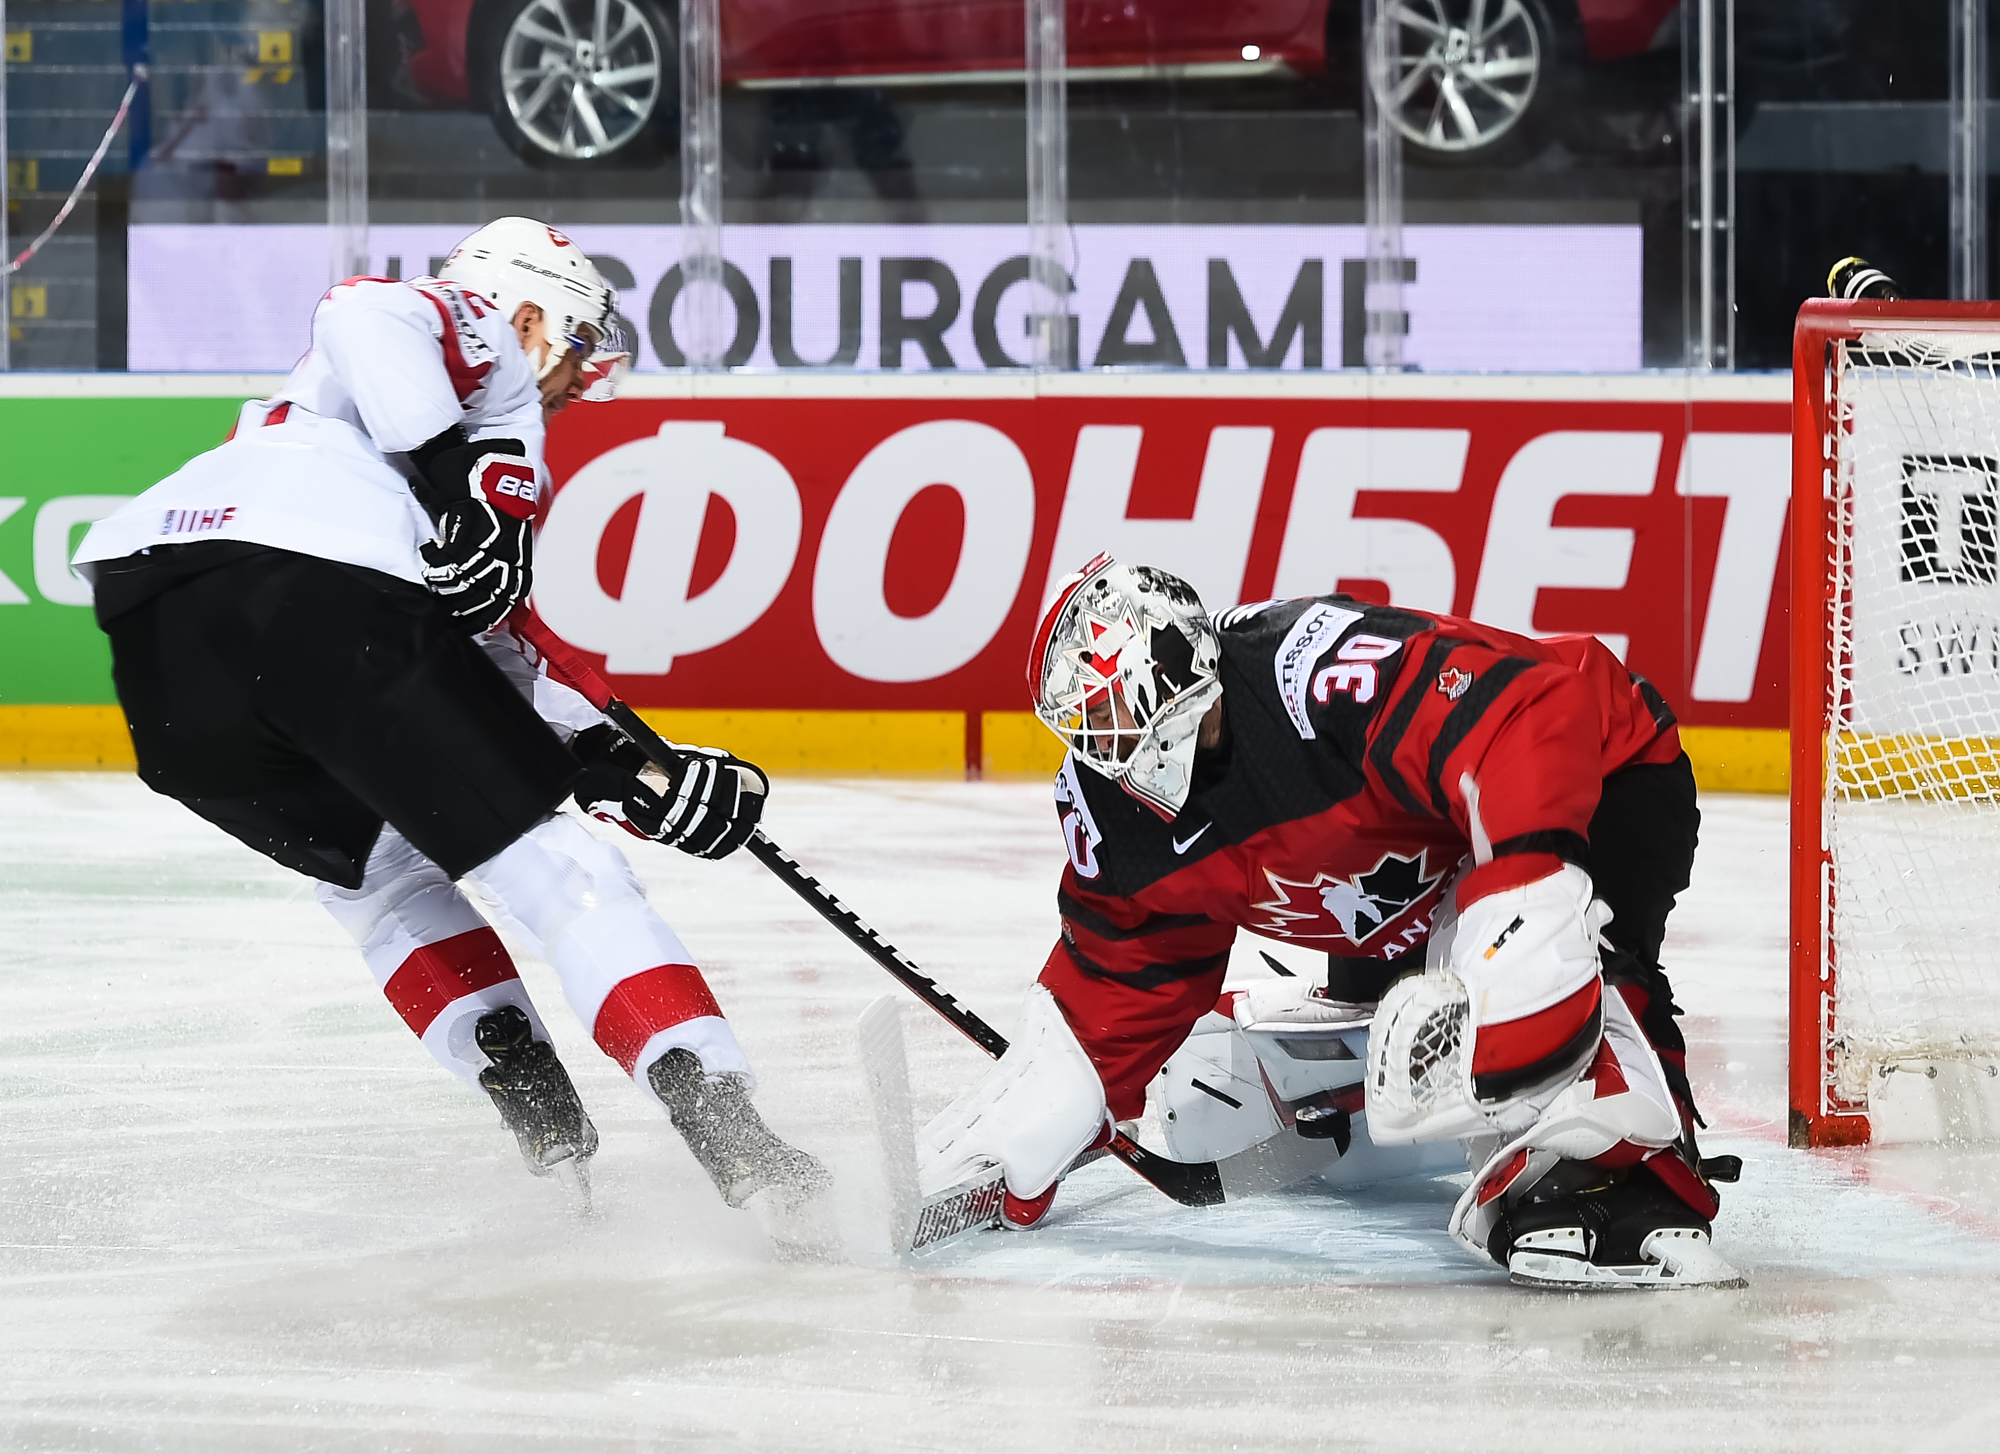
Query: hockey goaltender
{"x": 1486, "y": 834}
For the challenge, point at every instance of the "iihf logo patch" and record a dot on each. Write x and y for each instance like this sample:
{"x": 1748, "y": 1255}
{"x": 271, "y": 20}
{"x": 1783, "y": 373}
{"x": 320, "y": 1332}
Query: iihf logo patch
{"x": 1454, "y": 683}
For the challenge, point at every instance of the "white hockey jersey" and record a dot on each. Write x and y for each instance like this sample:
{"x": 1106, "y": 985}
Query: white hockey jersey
{"x": 318, "y": 468}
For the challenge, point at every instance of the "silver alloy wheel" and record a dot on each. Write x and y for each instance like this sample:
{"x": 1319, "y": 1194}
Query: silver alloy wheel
{"x": 1466, "y": 72}
{"x": 581, "y": 77}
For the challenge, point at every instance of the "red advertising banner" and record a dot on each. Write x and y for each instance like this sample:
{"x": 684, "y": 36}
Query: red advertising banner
{"x": 861, "y": 543}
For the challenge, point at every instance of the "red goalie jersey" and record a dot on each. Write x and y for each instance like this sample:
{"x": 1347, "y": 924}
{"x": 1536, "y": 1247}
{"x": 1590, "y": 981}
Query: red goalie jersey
{"x": 1366, "y": 751}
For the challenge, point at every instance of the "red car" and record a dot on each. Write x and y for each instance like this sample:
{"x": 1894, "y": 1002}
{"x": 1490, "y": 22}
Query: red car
{"x": 579, "y": 80}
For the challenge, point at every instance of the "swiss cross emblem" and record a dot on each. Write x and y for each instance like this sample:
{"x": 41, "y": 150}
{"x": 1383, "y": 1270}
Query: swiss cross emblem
{"x": 1454, "y": 683}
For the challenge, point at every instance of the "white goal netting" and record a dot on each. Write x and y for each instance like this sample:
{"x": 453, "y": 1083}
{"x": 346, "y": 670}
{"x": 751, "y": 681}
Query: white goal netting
{"x": 1912, "y": 795}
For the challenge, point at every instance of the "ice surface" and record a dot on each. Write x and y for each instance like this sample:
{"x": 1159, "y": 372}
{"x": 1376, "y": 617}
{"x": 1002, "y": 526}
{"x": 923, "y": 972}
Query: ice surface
{"x": 240, "y": 1208}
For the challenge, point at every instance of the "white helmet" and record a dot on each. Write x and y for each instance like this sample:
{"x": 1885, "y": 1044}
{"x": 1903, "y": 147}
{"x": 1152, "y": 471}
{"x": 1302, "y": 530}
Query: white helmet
{"x": 518, "y": 260}
{"x": 1123, "y": 669}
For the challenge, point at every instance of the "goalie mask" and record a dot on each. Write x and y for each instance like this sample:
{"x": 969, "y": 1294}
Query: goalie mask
{"x": 1123, "y": 670}
{"x": 518, "y": 260}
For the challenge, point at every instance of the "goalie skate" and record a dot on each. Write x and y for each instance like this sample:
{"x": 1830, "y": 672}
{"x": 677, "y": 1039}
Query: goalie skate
{"x": 1582, "y": 1228}
{"x": 1669, "y": 1257}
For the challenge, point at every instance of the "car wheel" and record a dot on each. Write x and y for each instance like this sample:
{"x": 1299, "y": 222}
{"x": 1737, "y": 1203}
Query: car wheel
{"x": 581, "y": 82}
{"x": 1470, "y": 75}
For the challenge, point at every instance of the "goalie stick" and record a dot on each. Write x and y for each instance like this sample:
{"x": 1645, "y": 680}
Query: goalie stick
{"x": 915, "y": 1223}
{"x": 1191, "y": 1183}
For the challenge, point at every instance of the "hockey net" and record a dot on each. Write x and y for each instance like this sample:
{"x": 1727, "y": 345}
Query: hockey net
{"x": 1896, "y": 723}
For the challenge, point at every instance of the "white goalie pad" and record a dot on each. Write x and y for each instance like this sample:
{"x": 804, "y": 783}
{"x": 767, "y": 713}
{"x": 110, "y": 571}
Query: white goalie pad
{"x": 1505, "y": 958}
{"x": 1624, "y": 1099}
{"x": 1031, "y": 1115}
{"x": 1244, "y": 1098}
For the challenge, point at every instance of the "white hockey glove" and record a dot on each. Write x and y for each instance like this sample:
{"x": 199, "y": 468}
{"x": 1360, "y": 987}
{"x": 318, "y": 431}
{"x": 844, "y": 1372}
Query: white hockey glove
{"x": 1507, "y": 958}
{"x": 1038, "y": 1109}
{"x": 706, "y": 803}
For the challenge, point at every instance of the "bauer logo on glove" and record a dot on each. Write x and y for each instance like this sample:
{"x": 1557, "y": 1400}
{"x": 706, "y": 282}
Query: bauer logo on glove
{"x": 706, "y": 802}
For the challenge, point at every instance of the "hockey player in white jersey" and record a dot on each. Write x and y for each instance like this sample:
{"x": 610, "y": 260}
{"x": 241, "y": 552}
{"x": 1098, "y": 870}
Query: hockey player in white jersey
{"x": 307, "y": 638}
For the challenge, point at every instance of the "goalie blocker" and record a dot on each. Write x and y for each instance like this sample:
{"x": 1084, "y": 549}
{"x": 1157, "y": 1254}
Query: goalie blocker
{"x": 1316, "y": 770}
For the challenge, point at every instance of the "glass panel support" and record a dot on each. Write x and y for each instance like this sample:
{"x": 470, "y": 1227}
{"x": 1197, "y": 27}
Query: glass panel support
{"x": 1051, "y": 326}
{"x": 346, "y": 138}
{"x": 1708, "y": 71}
{"x": 1387, "y": 322}
{"x": 1968, "y": 148}
{"x": 701, "y": 329}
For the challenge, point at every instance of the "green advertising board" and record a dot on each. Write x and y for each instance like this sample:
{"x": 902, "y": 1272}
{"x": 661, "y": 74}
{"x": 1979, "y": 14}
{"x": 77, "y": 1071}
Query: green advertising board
{"x": 65, "y": 462}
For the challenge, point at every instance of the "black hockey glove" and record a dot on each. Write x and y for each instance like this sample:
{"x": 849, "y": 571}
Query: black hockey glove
{"x": 482, "y": 498}
{"x": 481, "y": 566}
{"x": 452, "y": 468}
{"x": 706, "y": 802}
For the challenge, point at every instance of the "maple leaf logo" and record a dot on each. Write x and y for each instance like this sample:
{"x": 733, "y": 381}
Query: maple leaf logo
{"x": 1361, "y": 904}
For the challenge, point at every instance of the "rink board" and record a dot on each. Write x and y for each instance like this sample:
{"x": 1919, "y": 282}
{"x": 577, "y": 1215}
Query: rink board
{"x": 848, "y": 567}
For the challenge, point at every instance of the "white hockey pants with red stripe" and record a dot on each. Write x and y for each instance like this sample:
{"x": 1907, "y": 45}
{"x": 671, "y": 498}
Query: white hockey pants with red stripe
{"x": 574, "y": 902}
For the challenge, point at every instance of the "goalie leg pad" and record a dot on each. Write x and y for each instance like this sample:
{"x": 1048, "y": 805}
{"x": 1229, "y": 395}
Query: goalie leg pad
{"x": 1039, "y": 1107}
{"x": 1598, "y": 1180}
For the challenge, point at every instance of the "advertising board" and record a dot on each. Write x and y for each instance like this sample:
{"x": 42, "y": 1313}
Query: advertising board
{"x": 748, "y": 544}
{"x": 953, "y": 297}
{"x": 859, "y": 549}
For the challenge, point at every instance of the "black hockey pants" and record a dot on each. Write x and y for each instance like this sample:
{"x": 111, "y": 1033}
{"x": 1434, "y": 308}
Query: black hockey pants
{"x": 298, "y": 704}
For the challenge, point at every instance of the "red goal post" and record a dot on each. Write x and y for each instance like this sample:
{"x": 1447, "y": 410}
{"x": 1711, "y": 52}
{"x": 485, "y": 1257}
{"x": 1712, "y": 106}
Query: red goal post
{"x": 1933, "y": 768}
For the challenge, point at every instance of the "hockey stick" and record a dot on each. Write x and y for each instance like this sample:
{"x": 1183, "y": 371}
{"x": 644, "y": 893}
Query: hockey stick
{"x": 1191, "y": 1183}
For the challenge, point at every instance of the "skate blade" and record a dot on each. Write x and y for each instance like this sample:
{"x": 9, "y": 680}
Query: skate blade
{"x": 798, "y": 1224}
{"x": 572, "y": 1174}
{"x": 1676, "y": 1259}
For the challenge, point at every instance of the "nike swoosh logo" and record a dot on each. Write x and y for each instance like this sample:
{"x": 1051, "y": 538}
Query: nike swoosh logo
{"x": 1183, "y": 845}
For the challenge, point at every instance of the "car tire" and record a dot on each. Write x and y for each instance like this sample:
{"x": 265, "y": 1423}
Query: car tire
{"x": 1465, "y": 100}
{"x": 556, "y": 103}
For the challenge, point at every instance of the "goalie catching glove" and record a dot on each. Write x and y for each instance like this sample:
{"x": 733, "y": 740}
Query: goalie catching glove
{"x": 481, "y": 495}
{"x": 706, "y": 802}
{"x": 1508, "y": 1011}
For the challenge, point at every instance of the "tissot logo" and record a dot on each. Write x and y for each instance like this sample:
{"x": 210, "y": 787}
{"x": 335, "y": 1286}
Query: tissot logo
{"x": 1950, "y": 522}
{"x": 1361, "y": 904}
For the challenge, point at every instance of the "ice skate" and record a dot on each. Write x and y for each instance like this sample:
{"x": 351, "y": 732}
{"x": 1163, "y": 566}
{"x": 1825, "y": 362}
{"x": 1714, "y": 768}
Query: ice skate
{"x": 536, "y": 1099}
{"x": 1582, "y": 1228}
{"x": 751, "y": 1167}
